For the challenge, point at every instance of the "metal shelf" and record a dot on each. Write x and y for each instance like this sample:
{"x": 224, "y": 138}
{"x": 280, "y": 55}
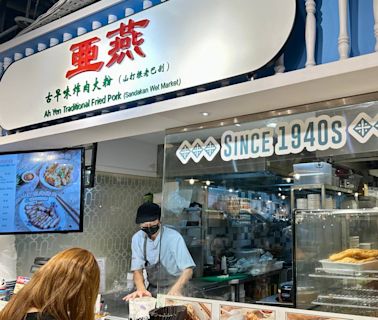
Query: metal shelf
{"x": 350, "y": 298}
{"x": 366, "y": 275}
{"x": 361, "y": 212}
{"x": 320, "y": 186}
{"x": 323, "y": 189}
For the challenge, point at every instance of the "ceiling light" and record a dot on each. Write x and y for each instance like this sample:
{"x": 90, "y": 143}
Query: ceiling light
{"x": 191, "y": 180}
{"x": 205, "y": 114}
{"x": 283, "y": 197}
{"x": 288, "y": 180}
{"x": 272, "y": 125}
{"x": 279, "y": 194}
{"x": 208, "y": 182}
{"x": 297, "y": 176}
{"x": 237, "y": 124}
{"x": 230, "y": 190}
{"x": 222, "y": 123}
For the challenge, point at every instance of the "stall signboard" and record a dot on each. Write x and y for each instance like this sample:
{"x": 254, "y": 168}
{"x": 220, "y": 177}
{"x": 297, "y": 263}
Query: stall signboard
{"x": 172, "y": 46}
{"x": 313, "y": 134}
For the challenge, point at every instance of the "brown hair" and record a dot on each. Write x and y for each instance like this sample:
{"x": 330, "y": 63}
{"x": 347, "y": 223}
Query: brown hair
{"x": 65, "y": 288}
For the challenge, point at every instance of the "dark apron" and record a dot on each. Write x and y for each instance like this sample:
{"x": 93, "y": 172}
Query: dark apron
{"x": 157, "y": 275}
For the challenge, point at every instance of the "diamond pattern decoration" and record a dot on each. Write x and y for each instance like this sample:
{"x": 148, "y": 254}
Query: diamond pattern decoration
{"x": 211, "y": 149}
{"x": 363, "y": 127}
{"x": 197, "y": 150}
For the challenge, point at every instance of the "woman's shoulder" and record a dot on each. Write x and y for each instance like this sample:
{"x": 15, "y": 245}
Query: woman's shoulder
{"x": 34, "y": 316}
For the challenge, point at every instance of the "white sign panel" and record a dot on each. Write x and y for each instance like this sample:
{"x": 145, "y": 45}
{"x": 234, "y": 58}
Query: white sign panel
{"x": 315, "y": 134}
{"x": 175, "y": 45}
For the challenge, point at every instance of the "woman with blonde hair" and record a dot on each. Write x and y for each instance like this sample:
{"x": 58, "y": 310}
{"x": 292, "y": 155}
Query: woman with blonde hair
{"x": 65, "y": 288}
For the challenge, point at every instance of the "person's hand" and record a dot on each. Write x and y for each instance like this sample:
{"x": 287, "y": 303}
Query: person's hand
{"x": 137, "y": 294}
{"x": 174, "y": 292}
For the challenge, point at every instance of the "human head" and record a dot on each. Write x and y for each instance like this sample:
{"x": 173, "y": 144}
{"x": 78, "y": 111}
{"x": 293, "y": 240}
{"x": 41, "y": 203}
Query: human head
{"x": 148, "y": 212}
{"x": 66, "y": 287}
{"x": 148, "y": 218}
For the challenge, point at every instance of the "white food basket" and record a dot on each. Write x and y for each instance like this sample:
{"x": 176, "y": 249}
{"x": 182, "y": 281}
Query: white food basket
{"x": 348, "y": 268}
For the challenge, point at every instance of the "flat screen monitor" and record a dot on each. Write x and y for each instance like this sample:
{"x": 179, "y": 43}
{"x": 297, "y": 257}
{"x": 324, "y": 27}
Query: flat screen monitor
{"x": 41, "y": 191}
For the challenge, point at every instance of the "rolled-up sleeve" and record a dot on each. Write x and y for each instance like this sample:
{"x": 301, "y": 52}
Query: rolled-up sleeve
{"x": 137, "y": 256}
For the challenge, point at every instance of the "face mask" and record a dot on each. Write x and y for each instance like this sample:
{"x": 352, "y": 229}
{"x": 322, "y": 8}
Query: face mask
{"x": 150, "y": 231}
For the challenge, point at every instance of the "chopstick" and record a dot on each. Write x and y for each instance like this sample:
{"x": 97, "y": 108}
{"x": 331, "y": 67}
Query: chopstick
{"x": 71, "y": 211}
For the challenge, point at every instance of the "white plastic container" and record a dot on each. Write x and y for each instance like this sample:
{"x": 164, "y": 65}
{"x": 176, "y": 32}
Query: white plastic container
{"x": 301, "y": 203}
{"x": 140, "y": 307}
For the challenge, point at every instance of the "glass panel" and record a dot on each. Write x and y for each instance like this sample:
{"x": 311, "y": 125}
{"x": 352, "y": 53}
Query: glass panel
{"x": 234, "y": 193}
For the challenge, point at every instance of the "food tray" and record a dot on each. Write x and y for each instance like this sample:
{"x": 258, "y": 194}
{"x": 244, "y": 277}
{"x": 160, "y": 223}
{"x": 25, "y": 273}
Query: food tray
{"x": 348, "y": 268}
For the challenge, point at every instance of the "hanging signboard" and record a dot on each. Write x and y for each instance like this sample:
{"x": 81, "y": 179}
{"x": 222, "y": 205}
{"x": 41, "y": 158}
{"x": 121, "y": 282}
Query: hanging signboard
{"x": 314, "y": 134}
{"x": 172, "y": 46}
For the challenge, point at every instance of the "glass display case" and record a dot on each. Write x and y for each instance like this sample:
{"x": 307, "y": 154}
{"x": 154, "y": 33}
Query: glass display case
{"x": 279, "y": 199}
{"x": 336, "y": 260}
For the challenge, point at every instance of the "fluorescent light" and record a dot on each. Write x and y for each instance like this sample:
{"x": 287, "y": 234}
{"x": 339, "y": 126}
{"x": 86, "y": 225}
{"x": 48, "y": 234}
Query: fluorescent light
{"x": 205, "y": 114}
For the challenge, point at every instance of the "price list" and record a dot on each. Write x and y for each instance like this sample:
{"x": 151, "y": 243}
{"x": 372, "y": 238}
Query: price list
{"x": 8, "y": 181}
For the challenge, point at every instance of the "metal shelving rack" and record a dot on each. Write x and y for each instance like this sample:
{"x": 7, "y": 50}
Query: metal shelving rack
{"x": 323, "y": 191}
{"x": 350, "y": 288}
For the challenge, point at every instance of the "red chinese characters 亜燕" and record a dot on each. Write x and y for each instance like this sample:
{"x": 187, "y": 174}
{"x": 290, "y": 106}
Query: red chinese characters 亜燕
{"x": 127, "y": 41}
{"x": 83, "y": 56}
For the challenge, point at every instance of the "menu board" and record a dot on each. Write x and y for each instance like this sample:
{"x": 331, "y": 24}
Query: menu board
{"x": 41, "y": 191}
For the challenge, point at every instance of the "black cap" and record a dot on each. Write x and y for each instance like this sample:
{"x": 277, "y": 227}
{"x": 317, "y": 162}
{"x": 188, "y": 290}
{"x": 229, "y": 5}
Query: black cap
{"x": 148, "y": 212}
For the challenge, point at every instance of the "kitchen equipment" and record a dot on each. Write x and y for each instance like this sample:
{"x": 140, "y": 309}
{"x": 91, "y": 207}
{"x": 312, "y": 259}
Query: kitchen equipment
{"x": 313, "y": 201}
{"x": 247, "y": 253}
{"x": 301, "y": 203}
{"x": 313, "y": 173}
{"x": 285, "y": 291}
{"x": 354, "y": 241}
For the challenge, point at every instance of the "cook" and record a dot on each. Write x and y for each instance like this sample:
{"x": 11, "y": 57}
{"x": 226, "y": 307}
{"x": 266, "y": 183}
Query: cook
{"x": 161, "y": 252}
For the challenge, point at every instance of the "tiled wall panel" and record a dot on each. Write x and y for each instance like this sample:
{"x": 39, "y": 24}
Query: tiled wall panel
{"x": 109, "y": 215}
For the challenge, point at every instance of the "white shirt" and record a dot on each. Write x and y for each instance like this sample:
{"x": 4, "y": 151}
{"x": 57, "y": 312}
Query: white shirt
{"x": 174, "y": 255}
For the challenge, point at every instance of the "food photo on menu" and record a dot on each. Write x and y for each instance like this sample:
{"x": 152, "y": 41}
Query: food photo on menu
{"x": 241, "y": 313}
{"x": 41, "y": 191}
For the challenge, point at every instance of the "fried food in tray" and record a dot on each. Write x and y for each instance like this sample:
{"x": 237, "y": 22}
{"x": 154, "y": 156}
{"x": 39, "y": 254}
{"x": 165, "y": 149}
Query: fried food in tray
{"x": 42, "y": 216}
{"x": 355, "y": 255}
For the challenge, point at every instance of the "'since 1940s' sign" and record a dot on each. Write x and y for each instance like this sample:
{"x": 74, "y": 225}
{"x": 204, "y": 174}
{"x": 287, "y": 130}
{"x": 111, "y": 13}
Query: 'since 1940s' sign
{"x": 175, "y": 45}
{"x": 314, "y": 134}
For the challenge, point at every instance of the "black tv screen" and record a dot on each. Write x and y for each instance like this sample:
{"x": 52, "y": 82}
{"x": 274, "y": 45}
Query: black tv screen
{"x": 41, "y": 191}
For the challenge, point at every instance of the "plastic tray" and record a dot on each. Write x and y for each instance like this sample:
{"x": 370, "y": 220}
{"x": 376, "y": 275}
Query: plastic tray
{"x": 348, "y": 268}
